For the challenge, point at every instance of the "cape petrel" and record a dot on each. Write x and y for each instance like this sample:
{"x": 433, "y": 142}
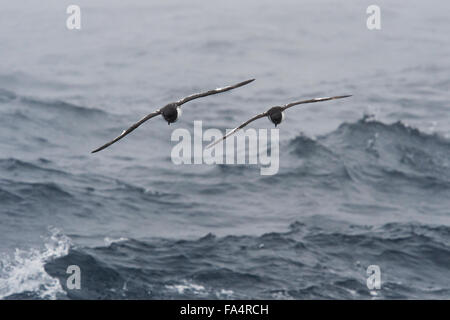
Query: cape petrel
{"x": 275, "y": 114}
{"x": 172, "y": 111}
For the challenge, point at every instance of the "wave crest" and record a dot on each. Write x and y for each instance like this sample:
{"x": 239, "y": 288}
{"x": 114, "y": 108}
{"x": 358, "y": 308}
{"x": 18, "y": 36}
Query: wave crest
{"x": 23, "y": 274}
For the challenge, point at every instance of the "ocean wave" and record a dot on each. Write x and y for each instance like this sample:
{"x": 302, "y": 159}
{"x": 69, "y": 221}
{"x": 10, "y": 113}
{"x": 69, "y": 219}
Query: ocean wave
{"x": 62, "y": 106}
{"x": 366, "y": 132}
{"x": 370, "y": 152}
{"x": 297, "y": 264}
{"x": 39, "y": 190}
{"x": 58, "y": 105}
{"x": 6, "y": 95}
{"x": 23, "y": 276}
{"x": 20, "y": 166}
{"x": 9, "y": 197}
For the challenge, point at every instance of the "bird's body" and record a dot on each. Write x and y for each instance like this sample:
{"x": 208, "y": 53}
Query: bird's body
{"x": 171, "y": 112}
{"x": 276, "y": 115}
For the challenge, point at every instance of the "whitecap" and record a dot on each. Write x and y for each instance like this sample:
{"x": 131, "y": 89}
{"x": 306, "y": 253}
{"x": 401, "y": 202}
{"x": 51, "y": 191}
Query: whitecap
{"x": 24, "y": 272}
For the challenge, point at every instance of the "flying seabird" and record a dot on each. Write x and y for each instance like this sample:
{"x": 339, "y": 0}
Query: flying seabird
{"x": 172, "y": 111}
{"x": 275, "y": 114}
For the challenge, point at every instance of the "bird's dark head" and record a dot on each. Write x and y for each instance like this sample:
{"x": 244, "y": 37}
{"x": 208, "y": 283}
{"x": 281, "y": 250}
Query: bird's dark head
{"x": 171, "y": 113}
{"x": 276, "y": 115}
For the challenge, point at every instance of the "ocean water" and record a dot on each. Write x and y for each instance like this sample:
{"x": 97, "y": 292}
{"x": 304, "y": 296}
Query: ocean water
{"x": 362, "y": 181}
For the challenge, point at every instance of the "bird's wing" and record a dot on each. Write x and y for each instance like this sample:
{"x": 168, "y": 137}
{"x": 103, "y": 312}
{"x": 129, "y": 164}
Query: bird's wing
{"x": 129, "y": 130}
{"x": 236, "y": 129}
{"x": 210, "y": 92}
{"x": 312, "y": 101}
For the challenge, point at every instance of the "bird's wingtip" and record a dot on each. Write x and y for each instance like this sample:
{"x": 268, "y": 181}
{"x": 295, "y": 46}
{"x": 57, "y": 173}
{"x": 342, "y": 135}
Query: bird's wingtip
{"x": 212, "y": 144}
{"x": 247, "y": 81}
{"x": 344, "y": 96}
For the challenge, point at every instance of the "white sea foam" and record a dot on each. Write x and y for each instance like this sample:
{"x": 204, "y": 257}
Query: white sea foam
{"x": 109, "y": 241}
{"x": 223, "y": 293}
{"x": 187, "y": 286}
{"x": 24, "y": 272}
